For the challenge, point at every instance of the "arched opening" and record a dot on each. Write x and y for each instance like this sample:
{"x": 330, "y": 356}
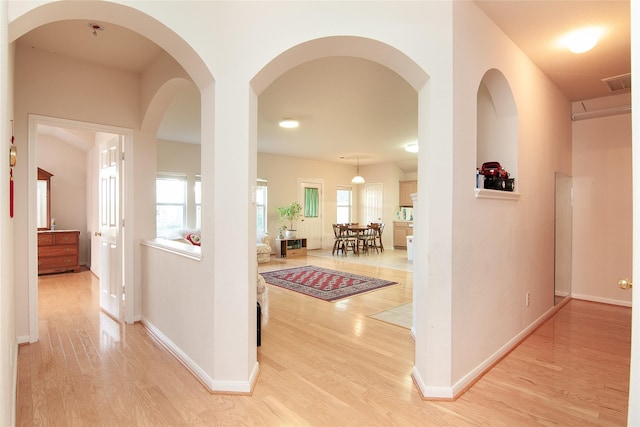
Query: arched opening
{"x": 104, "y": 109}
{"x": 497, "y": 124}
{"x": 321, "y": 53}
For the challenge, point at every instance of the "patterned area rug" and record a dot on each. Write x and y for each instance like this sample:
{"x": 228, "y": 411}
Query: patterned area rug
{"x": 323, "y": 283}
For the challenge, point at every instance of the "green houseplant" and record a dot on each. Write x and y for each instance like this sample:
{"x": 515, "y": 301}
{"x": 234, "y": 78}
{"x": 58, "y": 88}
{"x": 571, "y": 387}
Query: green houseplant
{"x": 292, "y": 214}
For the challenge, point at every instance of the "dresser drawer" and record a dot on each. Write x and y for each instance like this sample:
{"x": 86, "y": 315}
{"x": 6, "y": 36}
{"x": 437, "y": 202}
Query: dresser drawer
{"x": 65, "y": 238}
{"x": 59, "y": 263}
{"x": 45, "y": 239}
{"x": 58, "y": 250}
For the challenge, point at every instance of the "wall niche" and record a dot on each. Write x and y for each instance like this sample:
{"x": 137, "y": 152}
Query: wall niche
{"x": 497, "y": 131}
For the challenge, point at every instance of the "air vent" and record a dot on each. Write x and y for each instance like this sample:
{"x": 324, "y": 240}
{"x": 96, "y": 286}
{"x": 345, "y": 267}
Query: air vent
{"x": 618, "y": 83}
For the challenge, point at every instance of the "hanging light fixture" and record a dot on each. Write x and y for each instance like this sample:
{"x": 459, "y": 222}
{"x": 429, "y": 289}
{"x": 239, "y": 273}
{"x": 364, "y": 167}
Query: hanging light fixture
{"x": 358, "y": 179}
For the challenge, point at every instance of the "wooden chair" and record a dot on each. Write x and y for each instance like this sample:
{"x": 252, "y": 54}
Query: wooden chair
{"x": 338, "y": 244}
{"x": 349, "y": 241}
{"x": 379, "y": 229}
{"x": 369, "y": 238}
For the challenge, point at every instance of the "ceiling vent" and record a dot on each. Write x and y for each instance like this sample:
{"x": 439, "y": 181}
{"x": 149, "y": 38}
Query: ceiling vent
{"x": 618, "y": 83}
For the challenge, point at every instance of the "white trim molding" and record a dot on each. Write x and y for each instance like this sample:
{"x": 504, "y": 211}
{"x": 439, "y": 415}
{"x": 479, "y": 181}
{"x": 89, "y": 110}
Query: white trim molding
{"x": 213, "y": 386}
{"x": 451, "y": 393}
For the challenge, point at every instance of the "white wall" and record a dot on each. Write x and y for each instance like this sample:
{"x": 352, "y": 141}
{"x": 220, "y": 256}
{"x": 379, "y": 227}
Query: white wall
{"x": 602, "y": 209}
{"x": 443, "y": 49}
{"x": 68, "y": 187}
{"x": 8, "y": 344}
{"x": 501, "y": 249}
{"x": 282, "y": 174}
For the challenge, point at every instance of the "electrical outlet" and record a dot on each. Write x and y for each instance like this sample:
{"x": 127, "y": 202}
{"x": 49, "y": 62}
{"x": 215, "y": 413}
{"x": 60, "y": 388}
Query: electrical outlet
{"x": 527, "y": 299}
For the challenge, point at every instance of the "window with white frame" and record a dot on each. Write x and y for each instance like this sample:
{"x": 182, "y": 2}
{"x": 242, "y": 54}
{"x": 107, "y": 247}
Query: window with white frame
{"x": 171, "y": 204}
{"x": 197, "y": 189}
{"x": 343, "y": 203}
{"x": 261, "y": 206}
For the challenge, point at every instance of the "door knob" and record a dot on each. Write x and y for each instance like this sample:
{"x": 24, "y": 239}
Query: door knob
{"x": 625, "y": 283}
{"x": 98, "y": 234}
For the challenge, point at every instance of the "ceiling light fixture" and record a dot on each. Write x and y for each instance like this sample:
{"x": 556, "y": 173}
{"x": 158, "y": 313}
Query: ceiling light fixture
{"x": 95, "y": 28}
{"x": 582, "y": 40}
{"x": 289, "y": 123}
{"x": 358, "y": 179}
{"x": 411, "y": 148}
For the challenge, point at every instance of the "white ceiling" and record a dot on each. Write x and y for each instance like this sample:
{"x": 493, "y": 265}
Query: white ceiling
{"x": 536, "y": 25}
{"x": 354, "y": 108}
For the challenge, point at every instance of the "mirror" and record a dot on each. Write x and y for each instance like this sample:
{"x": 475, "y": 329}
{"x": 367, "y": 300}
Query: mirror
{"x": 563, "y": 236}
{"x": 43, "y": 205}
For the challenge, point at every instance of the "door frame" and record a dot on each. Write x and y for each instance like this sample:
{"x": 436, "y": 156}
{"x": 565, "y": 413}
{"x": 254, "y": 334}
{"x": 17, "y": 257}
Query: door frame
{"x": 127, "y": 212}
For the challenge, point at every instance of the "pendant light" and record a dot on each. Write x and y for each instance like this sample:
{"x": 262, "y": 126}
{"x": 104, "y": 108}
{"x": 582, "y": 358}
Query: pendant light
{"x": 358, "y": 179}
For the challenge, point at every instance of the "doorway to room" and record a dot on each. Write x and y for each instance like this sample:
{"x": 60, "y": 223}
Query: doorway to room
{"x": 59, "y": 143}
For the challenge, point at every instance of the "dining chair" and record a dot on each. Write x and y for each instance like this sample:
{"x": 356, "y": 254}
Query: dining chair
{"x": 369, "y": 238}
{"x": 349, "y": 241}
{"x": 379, "y": 230}
{"x": 338, "y": 244}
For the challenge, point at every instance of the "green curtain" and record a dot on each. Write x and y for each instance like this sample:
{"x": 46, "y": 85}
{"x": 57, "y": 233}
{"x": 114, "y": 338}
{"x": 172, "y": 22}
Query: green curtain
{"x": 311, "y": 202}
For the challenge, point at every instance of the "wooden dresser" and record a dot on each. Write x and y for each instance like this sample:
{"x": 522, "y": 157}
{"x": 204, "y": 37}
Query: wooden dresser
{"x": 58, "y": 251}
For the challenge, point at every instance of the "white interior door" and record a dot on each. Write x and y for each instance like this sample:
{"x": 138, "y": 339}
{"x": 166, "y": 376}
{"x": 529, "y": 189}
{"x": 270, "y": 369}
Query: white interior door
{"x": 311, "y": 226}
{"x": 373, "y": 203}
{"x": 111, "y": 289}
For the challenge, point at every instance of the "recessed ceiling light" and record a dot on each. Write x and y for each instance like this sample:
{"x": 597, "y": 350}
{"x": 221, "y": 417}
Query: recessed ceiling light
{"x": 411, "y": 148}
{"x": 289, "y": 123}
{"x": 582, "y": 40}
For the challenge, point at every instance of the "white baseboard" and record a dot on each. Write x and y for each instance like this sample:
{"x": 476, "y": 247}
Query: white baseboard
{"x": 202, "y": 376}
{"x": 243, "y": 387}
{"x": 213, "y": 386}
{"x": 601, "y": 300}
{"x": 23, "y": 339}
{"x": 429, "y": 392}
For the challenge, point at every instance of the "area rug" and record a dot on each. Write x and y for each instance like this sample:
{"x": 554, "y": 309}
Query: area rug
{"x": 401, "y": 315}
{"x": 323, "y": 283}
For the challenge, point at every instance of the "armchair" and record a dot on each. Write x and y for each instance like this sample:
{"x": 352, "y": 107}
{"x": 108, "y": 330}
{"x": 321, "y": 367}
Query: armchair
{"x": 263, "y": 248}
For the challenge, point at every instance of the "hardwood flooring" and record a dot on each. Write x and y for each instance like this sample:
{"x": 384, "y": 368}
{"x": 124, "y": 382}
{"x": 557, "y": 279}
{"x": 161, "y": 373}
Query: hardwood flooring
{"x": 322, "y": 364}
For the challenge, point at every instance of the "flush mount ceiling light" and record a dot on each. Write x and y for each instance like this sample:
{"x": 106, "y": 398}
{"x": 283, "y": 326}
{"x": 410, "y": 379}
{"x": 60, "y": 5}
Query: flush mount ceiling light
{"x": 358, "y": 179}
{"x": 582, "y": 40}
{"x": 95, "y": 28}
{"x": 411, "y": 148}
{"x": 289, "y": 123}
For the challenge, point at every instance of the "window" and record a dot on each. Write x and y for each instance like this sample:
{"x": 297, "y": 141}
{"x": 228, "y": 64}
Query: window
{"x": 343, "y": 202}
{"x": 197, "y": 188}
{"x": 171, "y": 204}
{"x": 311, "y": 202}
{"x": 261, "y": 206}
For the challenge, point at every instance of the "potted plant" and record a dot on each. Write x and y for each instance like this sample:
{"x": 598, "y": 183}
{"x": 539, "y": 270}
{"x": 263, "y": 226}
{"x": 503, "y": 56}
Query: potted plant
{"x": 290, "y": 213}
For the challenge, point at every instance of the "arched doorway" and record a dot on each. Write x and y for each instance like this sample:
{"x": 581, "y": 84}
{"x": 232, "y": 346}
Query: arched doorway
{"x": 355, "y": 47}
{"x": 102, "y": 111}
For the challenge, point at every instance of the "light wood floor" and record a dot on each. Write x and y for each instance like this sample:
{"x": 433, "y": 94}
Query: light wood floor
{"x": 322, "y": 364}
